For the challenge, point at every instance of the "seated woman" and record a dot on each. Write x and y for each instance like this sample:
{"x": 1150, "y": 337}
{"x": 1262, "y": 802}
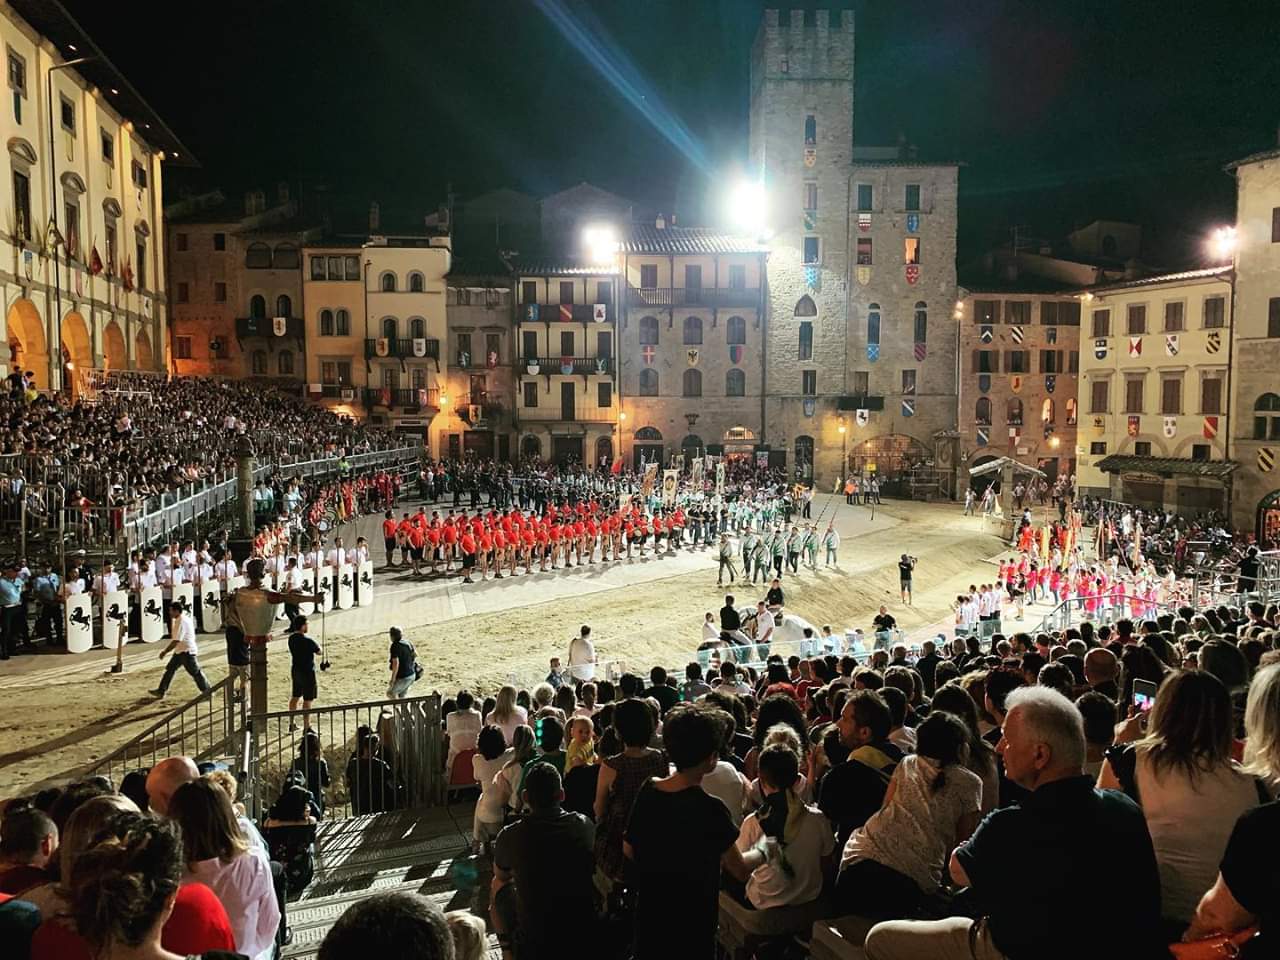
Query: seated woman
{"x": 933, "y": 800}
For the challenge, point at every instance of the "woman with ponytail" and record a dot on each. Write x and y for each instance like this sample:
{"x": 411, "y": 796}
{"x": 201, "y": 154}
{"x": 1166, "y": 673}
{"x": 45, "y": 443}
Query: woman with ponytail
{"x": 796, "y": 838}
{"x": 934, "y": 801}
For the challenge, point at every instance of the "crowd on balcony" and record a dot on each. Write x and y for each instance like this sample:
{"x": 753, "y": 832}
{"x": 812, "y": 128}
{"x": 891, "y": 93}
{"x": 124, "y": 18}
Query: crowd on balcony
{"x": 142, "y": 436}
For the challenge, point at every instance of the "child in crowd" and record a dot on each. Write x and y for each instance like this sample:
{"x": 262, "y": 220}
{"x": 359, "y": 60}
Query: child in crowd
{"x": 582, "y": 750}
{"x": 491, "y": 756}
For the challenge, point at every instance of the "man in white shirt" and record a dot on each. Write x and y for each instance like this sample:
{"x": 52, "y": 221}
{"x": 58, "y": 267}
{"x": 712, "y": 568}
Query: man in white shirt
{"x": 582, "y": 656}
{"x": 146, "y": 575}
{"x": 185, "y": 655}
{"x": 337, "y": 554}
{"x": 225, "y": 568}
{"x": 108, "y": 581}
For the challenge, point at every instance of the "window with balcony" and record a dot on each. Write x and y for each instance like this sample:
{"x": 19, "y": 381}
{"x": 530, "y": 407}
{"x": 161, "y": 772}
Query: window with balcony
{"x": 284, "y": 306}
{"x": 735, "y": 383}
{"x": 693, "y": 330}
{"x": 648, "y": 275}
{"x": 390, "y": 328}
{"x": 566, "y": 291}
{"x": 258, "y": 307}
{"x": 737, "y": 276}
{"x": 528, "y": 291}
{"x": 417, "y": 328}
{"x": 648, "y": 382}
{"x": 567, "y": 345}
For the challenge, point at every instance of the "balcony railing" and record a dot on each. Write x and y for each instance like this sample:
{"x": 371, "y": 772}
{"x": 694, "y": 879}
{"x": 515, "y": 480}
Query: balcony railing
{"x": 423, "y": 398}
{"x": 265, "y": 327}
{"x": 693, "y": 296}
{"x": 564, "y": 312}
{"x": 567, "y": 366}
{"x": 339, "y": 391}
{"x": 401, "y": 348}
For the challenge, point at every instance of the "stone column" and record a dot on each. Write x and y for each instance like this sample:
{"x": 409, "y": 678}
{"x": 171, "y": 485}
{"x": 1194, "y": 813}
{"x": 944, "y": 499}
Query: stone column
{"x": 245, "y": 463}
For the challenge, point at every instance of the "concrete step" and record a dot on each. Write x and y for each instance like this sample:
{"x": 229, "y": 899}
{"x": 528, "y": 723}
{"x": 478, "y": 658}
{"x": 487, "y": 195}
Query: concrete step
{"x": 426, "y": 851}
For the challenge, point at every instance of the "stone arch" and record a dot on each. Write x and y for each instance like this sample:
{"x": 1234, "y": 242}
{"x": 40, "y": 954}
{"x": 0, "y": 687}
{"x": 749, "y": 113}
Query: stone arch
{"x": 142, "y": 357}
{"x": 530, "y": 446}
{"x": 114, "y": 352}
{"x": 805, "y": 307}
{"x": 76, "y": 346}
{"x": 28, "y": 348}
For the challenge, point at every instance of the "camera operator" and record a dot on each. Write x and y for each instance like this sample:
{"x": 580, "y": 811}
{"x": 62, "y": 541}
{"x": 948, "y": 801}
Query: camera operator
{"x": 905, "y": 566}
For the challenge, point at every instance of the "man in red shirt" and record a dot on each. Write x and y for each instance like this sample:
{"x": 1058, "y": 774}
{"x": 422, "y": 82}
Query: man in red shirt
{"x": 389, "y": 527}
{"x": 468, "y": 544}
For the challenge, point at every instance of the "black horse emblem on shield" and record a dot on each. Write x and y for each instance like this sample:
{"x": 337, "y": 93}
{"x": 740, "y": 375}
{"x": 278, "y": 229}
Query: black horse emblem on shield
{"x": 211, "y": 600}
{"x": 152, "y": 610}
{"x": 79, "y": 618}
{"x": 346, "y": 580}
{"x": 115, "y": 613}
{"x": 366, "y": 580}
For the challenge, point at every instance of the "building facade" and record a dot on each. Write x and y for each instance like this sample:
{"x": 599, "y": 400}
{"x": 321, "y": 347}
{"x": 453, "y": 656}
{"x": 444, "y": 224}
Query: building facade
{"x": 1019, "y": 379}
{"x": 860, "y": 347}
{"x": 333, "y": 310}
{"x": 692, "y": 344}
{"x": 1155, "y": 356}
{"x": 234, "y": 273}
{"x": 566, "y": 365}
{"x": 1255, "y": 349}
{"x": 477, "y": 413}
{"x": 82, "y": 263}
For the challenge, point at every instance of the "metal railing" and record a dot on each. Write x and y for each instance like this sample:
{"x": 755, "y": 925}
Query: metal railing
{"x": 204, "y": 728}
{"x": 1061, "y": 616}
{"x": 415, "y": 397}
{"x": 577, "y": 366}
{"x": 404, "y": 768}
{"x": 693, "y": 296}
{"x": 401, "y": 347}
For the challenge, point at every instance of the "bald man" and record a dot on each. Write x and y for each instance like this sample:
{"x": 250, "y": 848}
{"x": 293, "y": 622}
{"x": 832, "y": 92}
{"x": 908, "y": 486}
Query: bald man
{"x": 165, "y": 778}
{"x": 1101, "y": 668}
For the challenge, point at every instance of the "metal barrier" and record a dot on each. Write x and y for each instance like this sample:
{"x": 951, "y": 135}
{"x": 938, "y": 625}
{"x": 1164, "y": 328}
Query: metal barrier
{"x": 403, "y": 768}
{"x": 204, "y": 729}
{"x": 1060, "y": 617}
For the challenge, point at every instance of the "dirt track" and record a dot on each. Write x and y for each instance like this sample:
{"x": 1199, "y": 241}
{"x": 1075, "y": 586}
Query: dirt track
{"x": 51, "y": 730}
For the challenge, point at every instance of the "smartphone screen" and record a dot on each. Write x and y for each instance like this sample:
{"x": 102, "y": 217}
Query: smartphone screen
{"x": 1144, "y": 695}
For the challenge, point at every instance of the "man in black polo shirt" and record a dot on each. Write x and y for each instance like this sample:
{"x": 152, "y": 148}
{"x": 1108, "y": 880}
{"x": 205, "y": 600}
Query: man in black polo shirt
{"x": 1028, "y": 865}
{"x": 883, "y": 623}
{"x": 302, "y": 672}
{"x": 852, "y": 791}
{"x": 729, "y": 619}
{"x": 542, "y": 869}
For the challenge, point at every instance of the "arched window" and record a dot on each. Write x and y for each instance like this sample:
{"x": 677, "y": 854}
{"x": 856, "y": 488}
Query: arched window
{"x": 736, "y": 331}
{"x": 326, "y": 323}
{"x": 284, "y": 306}
{"x": 921, "y": 322}
{"x": 805, "y": 307}
{"x": 649, "y": 435}
{"x": 804, "y": 457}
{"x": 693, "y": 383}
{"x": 691, "y": 446}
{"x": 735, "y": 383}
{"x": 1013, "y": 412}
{"x": 648, "y": 384}
{"x": 648, "y": 331}
{"x": 416, "y": 283}
{"x": 530, "y": 447}
{"x": 1047, "y": 411}
{"x": 390, "y": 328}
{"x": 387, "y": 282}
{"x": 604, "y": 451}
{"x": 417, "y": 328}
{"x": 258, "y": 307}
{"x": 284, "y": 363}
{"x": 982, "y": 412}
{"x": 873, "y": 323}
{"x": 286, "y": 257}
{"x": 806, "y": 341}
{"x": 692, "y": 329}
{"x": 1266, "y": 417}
{"x": 259, "y": 358}
{"x": 343, "y": 323}
{"x": 1071, "y": 411}
{"x": 257, "y": 256}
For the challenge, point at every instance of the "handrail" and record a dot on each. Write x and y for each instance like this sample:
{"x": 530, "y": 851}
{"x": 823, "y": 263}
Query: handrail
{"x": 1046, "y": 622}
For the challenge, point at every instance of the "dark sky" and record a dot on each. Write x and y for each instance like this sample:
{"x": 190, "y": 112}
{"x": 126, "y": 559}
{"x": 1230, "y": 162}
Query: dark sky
{"x": 1062, "y": 110}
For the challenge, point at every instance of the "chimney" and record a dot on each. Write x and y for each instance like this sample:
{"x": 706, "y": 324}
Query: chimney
{"x": 282, "y": 193}
{"x": 673, "y": 219}
{"x": 374, "y": 217}
{"x": 1131, "y": 269}
{"x": 660, "y": 223}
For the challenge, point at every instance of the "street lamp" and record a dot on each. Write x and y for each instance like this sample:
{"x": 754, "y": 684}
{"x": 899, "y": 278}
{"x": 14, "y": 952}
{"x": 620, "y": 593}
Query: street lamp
{"x": 748, "y": 206}
{"x": 1222, "y": 244}
{"x": 622, "y": 420}
{"x": 600, "y": 243}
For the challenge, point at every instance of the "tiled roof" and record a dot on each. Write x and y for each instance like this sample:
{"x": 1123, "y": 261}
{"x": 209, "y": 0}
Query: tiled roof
{"x": 550, "y": 264}
{"x": 686, "y": 240}
{"x": 479, "y": 265}
{"x": 1203, "y": 274}
{"x": 1117, "y": 463}
{"x": 1268, "y": 154}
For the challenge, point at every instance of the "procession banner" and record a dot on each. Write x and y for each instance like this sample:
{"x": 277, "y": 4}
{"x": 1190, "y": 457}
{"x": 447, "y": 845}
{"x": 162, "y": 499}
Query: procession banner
{"x": 79, "y": 623}
{"x": 151, "y": 613}
{"x": 719, "y": 478}
{"x": 364, "y": 585}
{"x": 650, "y": 477}
{"x": 670, "y": 481}
{"x": 115, "y": 617}
{"x": 695, "y": 472}
{"x": 211, "y": 606}
{"x": 346, "y": 587}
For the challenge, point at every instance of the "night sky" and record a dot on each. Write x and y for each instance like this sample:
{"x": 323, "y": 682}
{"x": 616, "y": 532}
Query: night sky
{"x": 1063, "y": 111}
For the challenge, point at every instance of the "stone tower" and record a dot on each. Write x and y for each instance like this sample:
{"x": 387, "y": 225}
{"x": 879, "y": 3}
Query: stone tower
{"x": 801, "y": 144}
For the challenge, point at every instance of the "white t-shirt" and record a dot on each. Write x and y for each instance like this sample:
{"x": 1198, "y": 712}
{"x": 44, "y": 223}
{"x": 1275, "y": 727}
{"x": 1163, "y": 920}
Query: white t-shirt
{"x": 1190, "y": 825}
{"x": 769, "y": 885}
{"x": 185, "y": 639}
{"x": 244, "y": 886}
{"x": 489, "y": 806}
{"x": 519, "y": 718}
{"x": 728, "y": 786}
{"x": 463, "y": 727}
{"x": 929, "y": 818}
{"x": 904, "y": 738}
{"x": 582, "y": 657}
{"x": 710, "y": 631}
